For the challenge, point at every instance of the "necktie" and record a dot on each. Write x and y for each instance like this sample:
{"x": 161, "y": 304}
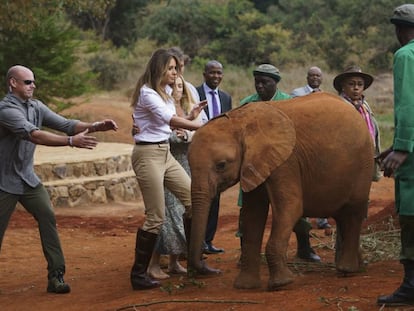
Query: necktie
{"x": 216, "y": 111}
{"x": 316, "y": 90}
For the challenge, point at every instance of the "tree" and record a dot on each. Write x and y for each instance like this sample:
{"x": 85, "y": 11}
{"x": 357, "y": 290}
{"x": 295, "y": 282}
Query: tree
{"x": 115, "y": 20}
{"x": 44, "y": 42}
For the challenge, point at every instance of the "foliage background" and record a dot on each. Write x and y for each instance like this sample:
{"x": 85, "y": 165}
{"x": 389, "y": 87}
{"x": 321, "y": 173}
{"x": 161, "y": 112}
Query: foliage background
{"x": 80, "y": 46}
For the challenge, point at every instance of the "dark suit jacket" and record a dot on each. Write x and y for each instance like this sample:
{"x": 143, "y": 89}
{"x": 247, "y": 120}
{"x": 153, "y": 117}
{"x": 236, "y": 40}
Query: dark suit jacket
{"x": 225, "y": 100}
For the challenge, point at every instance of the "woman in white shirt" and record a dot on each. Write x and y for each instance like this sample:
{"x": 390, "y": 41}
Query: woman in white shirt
{"x": 155, "y": 116}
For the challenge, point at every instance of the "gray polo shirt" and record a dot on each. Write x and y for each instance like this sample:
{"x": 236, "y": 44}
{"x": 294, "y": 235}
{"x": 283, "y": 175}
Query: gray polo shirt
{"x": 17, "y": 120}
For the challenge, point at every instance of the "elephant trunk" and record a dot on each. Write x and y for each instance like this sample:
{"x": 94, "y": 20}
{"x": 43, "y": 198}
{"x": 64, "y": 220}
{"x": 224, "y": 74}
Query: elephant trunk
{"x": 195, "y": 236}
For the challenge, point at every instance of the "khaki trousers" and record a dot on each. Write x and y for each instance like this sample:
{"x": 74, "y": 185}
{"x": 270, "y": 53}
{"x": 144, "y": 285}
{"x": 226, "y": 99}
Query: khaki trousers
{"x": 155, "y": 166}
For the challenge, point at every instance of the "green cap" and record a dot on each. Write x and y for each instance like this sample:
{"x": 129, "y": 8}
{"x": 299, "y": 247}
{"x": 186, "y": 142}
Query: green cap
{"x": 267, "y": 70}
{"x": 403, "y": 15}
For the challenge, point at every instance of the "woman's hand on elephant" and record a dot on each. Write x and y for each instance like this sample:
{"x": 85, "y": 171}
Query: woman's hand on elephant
{"x": 393, "y": 161}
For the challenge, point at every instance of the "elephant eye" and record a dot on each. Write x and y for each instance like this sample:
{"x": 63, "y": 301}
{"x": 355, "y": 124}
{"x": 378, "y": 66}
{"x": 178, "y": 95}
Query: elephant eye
{"x": 220, "y": 166}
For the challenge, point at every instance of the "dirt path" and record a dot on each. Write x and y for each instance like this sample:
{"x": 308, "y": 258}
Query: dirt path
{"x": 98, "y": 242}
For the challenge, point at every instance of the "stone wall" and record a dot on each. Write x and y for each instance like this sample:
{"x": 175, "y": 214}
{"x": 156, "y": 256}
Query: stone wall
{"x": 97, "y": 181}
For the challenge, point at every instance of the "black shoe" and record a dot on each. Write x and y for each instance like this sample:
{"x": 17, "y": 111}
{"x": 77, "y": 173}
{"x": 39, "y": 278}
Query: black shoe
{"x": 57, "y": 285}
{"x": 395, "y": 300}
{"x": 308, "y": 256}
{"x": 143, "y": 282}
{"x": 211, "y": 249}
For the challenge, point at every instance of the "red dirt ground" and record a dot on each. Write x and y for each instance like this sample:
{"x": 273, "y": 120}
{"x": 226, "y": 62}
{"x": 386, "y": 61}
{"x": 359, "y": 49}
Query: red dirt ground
{"x": 98, "y": 242}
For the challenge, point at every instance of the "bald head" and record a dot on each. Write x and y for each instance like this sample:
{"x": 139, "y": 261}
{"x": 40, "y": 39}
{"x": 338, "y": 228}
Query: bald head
{"x": 213, "y": 74}
{"x": 20, "y": 82}
{"x": 17, "y": 71}
{"x": 213, "y": 63}
{"x": 314, "y": 77}
{"x": 314, "y": 69}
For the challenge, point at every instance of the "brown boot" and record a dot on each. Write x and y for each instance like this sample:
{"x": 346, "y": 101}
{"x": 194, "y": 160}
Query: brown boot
{"x": 144, "y": 247}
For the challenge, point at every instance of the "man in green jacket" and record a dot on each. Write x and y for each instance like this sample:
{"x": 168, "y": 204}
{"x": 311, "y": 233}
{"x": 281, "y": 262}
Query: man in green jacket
{"x": 266, "y": 78}
{"x": 398, "y": 161}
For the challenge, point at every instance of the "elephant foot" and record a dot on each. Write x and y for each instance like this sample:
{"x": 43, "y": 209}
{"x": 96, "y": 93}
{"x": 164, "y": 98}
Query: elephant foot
{"x": 280, "y": 280}
{"x": 247, "y": 281}
{"x": 349, "y": 267}
{"x": 202, "y": 270}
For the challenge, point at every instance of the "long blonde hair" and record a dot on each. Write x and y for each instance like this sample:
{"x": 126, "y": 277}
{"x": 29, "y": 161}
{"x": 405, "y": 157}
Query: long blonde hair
{"x": 154, "y": 72}
{"x": 187, "y": 100}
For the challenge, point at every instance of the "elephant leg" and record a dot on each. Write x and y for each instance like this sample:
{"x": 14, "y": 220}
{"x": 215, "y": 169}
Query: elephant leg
{"x": 286, "y": 210}
{"x": 253, "y": 216}
{"x": 349, "y": 222}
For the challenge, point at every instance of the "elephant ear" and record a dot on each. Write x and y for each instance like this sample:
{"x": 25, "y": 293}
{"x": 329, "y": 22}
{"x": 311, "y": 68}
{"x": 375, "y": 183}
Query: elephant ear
{"x": 269, "y": 140}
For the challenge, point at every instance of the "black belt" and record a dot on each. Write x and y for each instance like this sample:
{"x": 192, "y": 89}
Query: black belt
{"x": 151, "y": 143}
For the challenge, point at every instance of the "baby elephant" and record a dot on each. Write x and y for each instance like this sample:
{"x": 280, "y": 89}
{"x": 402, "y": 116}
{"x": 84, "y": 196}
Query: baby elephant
{"x": 308, "y": 156}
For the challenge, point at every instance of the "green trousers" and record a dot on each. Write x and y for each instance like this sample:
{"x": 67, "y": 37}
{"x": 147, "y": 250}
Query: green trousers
{"x": 37, "y": 202}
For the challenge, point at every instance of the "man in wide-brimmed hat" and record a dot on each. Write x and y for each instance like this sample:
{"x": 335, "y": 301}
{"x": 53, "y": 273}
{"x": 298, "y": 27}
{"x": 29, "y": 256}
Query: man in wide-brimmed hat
{"x": 398, "y": 160}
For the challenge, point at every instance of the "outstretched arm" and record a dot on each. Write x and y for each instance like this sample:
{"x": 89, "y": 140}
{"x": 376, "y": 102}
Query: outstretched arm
{"x": 80, "y": 140}
{"x": 99, "y": 126}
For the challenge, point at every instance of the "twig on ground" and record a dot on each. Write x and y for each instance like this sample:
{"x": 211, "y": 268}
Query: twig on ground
{"x": 145, "y": 304}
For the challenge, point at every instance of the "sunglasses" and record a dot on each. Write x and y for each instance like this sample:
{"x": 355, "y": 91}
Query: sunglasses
{"x": 27, "y": 82}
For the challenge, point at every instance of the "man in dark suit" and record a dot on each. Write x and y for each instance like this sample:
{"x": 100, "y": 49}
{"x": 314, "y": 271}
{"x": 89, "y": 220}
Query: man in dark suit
{"x": 218, "y": 102}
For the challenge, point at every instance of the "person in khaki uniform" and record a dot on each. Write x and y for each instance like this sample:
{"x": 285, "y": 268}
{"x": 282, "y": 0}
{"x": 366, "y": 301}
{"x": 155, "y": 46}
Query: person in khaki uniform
{"x": 398, "y": 160}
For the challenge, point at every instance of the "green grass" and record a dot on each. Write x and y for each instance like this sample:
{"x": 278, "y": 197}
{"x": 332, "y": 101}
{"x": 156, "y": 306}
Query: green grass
{"x": 386, "y": 125}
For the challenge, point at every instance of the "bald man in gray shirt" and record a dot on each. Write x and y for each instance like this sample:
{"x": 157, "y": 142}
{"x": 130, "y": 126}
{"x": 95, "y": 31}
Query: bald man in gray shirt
{"x": 21, "y": 120}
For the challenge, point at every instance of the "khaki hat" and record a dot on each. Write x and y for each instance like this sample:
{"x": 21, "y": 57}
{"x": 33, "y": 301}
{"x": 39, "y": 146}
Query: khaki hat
{"x": 352, "y": 71}
{"x": 403, "y": 15}
{"x": 268, "y": 70}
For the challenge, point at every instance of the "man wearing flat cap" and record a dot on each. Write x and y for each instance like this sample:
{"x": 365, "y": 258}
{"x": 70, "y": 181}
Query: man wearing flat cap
{"x": 266, "y": 78}
{"x": 398, "y": 160}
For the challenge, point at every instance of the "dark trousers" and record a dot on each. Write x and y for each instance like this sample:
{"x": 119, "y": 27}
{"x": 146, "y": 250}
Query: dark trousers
{"x": 37, "y": 202}
{"x": 212, "y": 220}
{"x": 407, "y": 238}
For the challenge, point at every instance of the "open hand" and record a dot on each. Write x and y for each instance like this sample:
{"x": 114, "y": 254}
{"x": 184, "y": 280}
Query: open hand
{"x": 197, "y": 109}
{"x": 81, "y": 140}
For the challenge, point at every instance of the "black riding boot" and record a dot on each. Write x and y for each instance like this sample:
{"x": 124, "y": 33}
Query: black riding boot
{"x": 304, "y": 251}
{"x": 404, "y": 295}
{"x": 144, "y": 247}
{"x": 206, "y": 270}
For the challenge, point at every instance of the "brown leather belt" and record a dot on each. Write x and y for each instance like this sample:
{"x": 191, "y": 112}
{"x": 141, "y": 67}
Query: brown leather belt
{"x": 151, "y": 143}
